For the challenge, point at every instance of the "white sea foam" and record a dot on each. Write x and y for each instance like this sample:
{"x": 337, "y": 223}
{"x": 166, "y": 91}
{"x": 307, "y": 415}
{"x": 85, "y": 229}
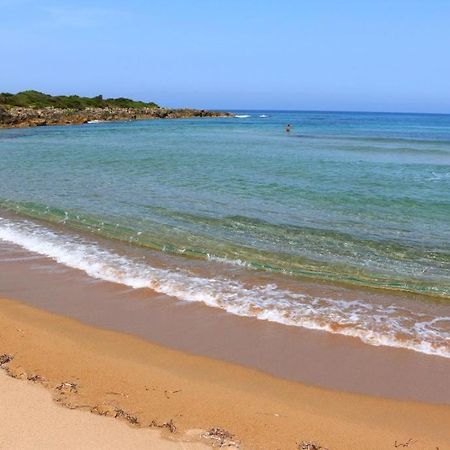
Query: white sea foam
{"x": 242, "y": 116}
{"x": 232, "y": 262}
{"x": 373, "y": 324}
{"x": 439, "y": 176}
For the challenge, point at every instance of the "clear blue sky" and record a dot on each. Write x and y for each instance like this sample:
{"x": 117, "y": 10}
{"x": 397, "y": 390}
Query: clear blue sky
{"x": 371, "y": 55}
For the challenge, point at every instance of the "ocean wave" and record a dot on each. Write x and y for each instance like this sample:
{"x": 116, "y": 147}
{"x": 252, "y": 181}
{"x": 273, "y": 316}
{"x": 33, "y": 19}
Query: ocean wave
{"x": 242, "y": 116}
{"x": 289, "y": 249}
{"x": 373, "y": 324}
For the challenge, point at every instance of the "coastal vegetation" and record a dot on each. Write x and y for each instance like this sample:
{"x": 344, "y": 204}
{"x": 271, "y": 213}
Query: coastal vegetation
{"x": 36, "y": 99}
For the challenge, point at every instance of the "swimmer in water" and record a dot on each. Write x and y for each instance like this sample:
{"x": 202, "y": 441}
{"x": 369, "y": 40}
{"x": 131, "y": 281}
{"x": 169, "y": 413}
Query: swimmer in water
{"x": 288, "y": 128}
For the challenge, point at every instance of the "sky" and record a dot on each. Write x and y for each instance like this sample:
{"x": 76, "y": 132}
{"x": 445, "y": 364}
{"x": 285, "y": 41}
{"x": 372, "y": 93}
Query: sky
{"x": 345, "y": 55}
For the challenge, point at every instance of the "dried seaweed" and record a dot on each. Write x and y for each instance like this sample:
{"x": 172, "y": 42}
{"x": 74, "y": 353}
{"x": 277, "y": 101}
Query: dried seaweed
{"x": 97, "y": 409}
{"x": 67, "y": 386}
{"x": 121, "y": 414}
{"x": 36, "y": 378}
{"x": 169, "y": 425}
{"x": 5, "y": 358}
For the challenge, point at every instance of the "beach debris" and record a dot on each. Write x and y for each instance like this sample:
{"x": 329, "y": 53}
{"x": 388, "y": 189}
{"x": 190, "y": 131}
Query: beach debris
{"x": 13, "y": 372}
{"x": 166, "y": 393}
{"x": 271, "y": 414}
{"x": 409, "y": 442}
{"x": 67, "y": 387}
{"x": 117, "y": 393}
{"x": 222, "y": 438}
{"x": 97, "y": 409}
{"x": 310, "y": 445}
{"x": 62, "y": 401}
{"x": 36, "y": 378}
{"x": 169, "y": 425}
{"x": 5, "y": 358}
{"x": 71, "y": 406}
{"x": 121, "y": 414}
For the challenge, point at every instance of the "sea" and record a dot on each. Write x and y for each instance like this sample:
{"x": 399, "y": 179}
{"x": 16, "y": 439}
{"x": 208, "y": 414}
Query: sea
{"x": 340, "y": 225}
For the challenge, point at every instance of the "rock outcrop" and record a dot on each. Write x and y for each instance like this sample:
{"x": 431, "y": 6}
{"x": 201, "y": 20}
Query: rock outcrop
{"x": 18, "y": 117}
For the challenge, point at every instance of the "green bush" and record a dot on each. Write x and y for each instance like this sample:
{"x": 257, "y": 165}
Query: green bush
{"x": 37, "y": 99}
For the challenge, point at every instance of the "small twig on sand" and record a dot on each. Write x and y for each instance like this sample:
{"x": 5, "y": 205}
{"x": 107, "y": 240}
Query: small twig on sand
{"x": 166, "y": 393}
{"x": 70, "y": 406}
{"x": 169, "y": 425}
{"x": 310, "y": 445}
{"x": 404, "y": 444}
{"x": 117, "y": 393}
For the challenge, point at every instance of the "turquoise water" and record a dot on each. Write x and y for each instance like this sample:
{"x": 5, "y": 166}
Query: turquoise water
{"x": 358, "y": 198}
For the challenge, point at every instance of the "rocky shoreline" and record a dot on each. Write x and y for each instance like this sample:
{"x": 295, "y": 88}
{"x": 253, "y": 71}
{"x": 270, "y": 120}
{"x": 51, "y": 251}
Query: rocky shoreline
{"x": 22, "y": 117}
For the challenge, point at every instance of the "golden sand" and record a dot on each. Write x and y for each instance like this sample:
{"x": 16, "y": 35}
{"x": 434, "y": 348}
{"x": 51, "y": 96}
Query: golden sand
{"x": 146, "y": 385}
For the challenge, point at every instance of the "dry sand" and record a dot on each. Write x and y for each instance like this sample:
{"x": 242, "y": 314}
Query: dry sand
{"x": 31, "y": 421}
{"x": 115, "y": 374}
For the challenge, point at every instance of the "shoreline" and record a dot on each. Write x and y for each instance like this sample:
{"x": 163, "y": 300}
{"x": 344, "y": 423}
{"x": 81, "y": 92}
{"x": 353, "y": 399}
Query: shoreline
{"x": 114, "y": 371}
{"x": 312, "y": 357}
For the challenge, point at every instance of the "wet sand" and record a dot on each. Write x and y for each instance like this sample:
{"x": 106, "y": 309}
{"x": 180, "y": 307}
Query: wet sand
{"x": 311, "y": 357}
{"x": 110, "y": 373}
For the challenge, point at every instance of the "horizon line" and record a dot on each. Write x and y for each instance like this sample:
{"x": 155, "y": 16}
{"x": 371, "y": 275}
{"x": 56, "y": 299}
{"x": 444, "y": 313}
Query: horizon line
{"x": 323, "y": 111}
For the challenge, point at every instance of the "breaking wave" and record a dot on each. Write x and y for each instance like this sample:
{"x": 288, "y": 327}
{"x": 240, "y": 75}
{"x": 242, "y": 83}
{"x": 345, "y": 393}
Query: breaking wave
{"x": 374, "y": 324}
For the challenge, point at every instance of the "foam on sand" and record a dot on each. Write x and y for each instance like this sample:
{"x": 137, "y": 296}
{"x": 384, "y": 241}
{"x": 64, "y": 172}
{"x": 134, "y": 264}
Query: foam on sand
{"x": 374, "y": 324}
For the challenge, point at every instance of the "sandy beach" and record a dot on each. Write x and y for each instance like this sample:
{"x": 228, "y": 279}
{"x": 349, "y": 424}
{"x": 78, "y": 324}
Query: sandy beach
{"x": 114, "y": 374}
{"x": 225, "y": 225}
{"x": 30, "y": 411}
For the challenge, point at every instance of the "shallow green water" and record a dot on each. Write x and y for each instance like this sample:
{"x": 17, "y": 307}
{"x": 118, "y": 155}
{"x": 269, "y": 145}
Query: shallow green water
{"x": 363, "y": 198}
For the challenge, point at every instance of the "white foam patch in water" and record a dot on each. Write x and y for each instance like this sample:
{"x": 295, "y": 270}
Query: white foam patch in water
{"x": 374, "y": 324}
{"x": 233, "y": 262}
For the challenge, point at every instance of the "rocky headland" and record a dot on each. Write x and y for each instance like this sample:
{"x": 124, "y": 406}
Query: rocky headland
{"x": 33, "y": 108}
{"x": 18, "y": 116}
